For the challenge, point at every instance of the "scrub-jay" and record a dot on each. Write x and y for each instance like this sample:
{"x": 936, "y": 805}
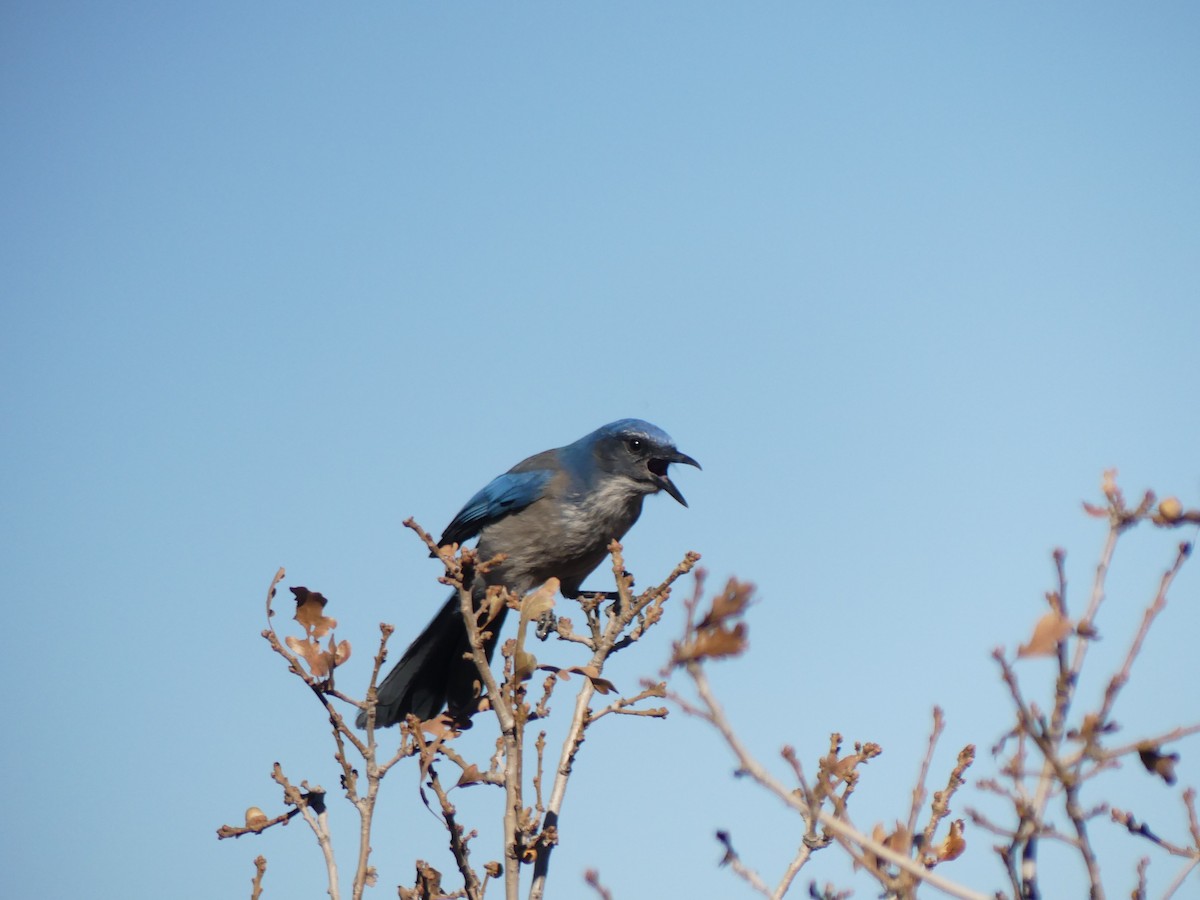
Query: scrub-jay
{"x": 552, "y": 515}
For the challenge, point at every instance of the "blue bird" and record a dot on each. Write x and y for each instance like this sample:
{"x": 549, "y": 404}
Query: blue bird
{"x": 552, "y": 516}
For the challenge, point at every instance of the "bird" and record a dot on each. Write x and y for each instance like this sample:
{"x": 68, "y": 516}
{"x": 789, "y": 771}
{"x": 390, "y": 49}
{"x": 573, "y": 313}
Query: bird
{"x": 552, "y": 515}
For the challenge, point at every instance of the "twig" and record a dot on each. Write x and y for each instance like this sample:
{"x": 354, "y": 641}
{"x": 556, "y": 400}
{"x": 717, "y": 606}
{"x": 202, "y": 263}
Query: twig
{"x": 847, "y": 833}
{"x": 312, "y": 809}
{"x": 803, "y": 854}
{"x": 558, "y": 789}
{"x": 621, "y": 705}
{"x": 1174, "y": 734}
{"x": 592, "y": 879}
{"x": 509, "y": 735}
{"x": 458, "y": 841}
{"x": 918, "y": 796}
{"x": 1180, "y": 878}
{"x": 1139, "y": 892}
{"x": 612, "y": 627}
{"x": 1061, "y": 772}
{"x": 743, "y": 871}
{"x": 260, "y": 869}
{"x": 1189, "y": 802}
{"x": 540, "y": 746}
{"x": 605, "y": 641}
{"x": 236, "y": 831}
{"x": 1157, "y": 605}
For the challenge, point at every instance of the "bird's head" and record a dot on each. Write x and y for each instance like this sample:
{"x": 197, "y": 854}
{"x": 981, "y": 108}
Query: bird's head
{"x": 639, "y": 451}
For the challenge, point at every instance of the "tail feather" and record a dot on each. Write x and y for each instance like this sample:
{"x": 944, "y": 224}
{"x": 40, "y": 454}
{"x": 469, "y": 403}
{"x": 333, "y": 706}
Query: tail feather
{"x": 432, "y": 672}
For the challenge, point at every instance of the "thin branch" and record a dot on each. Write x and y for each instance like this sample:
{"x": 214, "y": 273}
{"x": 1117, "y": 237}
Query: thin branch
{"x": 558, "y": 789}
{"x": 507, "y": 720}
{"x": 260, "y": 869}
{"x": 592, "y": 879}
{"x": 236, "y": 831}
{"x": 458, "y": 841}
{"x": 312, "y": 809}
{"x": 843, "y": 830}
{"x": 605, "y": 641}
{"x": 803, "y": 854}
{"x": 739, "y": 868}
{"x": 1113, "y": 753}
{"x": 1157, "y": 605}
{"x": 1180, "y": 878}
{"x": 621, "y": 705}
{"x": 941, "y": 799}
{"x": 1189, "y": 802}
{"x": 919, "y": 793}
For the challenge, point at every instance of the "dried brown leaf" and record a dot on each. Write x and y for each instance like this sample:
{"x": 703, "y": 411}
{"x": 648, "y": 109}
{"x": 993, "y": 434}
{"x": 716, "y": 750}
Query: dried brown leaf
{"x": 534, "y": 605}
{"x": 954, "y": 844}
{"x": 320, "y": 662}
{"x": 310, "y": 612}
{"x": 440, "y": 727}
{"x": 470, "y": 775}
{"x": 540, "y": 602}
{"x": 307, "y": 650}
{"x": 880, "y": 836}
{"x": 730, "y": 602}
{"x": 1051, "y": 628}
{"x": 524, "y": 665}
{"x": 899, "y": 840}
{"x": 713, "y": 643}
{"x": 494, "y": 600}
{"x": 340, "y": 652}
{"x": 879, "y": 833}
{"x": 602, "y": 685}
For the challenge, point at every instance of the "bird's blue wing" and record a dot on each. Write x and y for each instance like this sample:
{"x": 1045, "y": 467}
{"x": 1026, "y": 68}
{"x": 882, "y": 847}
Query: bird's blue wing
{"x": 506, "y": 494}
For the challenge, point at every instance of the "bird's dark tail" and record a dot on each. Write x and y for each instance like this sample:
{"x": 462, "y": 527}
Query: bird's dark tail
{"x": 433, "y": 671}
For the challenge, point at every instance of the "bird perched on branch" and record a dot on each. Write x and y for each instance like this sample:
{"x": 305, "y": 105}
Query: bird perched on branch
{"x": 552, "y": 516}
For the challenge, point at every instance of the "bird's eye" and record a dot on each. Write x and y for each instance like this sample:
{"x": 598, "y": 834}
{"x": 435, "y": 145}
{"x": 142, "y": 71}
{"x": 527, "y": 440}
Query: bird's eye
{"x": 634, "y": 444}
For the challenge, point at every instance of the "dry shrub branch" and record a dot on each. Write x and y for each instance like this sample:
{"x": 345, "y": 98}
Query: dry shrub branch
{"x": 1045, "y": 759}
{"x": 515, "y": 697}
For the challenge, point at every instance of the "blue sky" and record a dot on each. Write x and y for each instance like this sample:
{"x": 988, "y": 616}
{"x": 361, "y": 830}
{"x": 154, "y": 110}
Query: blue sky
{"x": 905, "y": 278}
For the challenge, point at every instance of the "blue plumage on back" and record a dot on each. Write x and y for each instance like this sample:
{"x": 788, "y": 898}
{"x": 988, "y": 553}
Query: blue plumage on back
{"x": 503, "y": 495}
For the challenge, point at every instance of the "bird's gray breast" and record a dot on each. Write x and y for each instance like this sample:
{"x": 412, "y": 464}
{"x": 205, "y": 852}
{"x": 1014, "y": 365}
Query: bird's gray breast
{"x": 565, "y": 537}
{"x": 600, "y": 516}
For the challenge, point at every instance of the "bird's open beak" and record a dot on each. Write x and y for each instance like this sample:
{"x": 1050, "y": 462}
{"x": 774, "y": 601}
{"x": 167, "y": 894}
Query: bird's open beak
{"x": 659, "y": 466}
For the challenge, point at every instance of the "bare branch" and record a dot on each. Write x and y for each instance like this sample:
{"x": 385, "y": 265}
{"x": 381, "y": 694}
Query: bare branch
{"x": 592, "y": 879}
{"x": 845, "y": 832}
{"x": 739, "y": 868}
{"x": 260, "y": 869}
{"x": 918, "y": 795}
